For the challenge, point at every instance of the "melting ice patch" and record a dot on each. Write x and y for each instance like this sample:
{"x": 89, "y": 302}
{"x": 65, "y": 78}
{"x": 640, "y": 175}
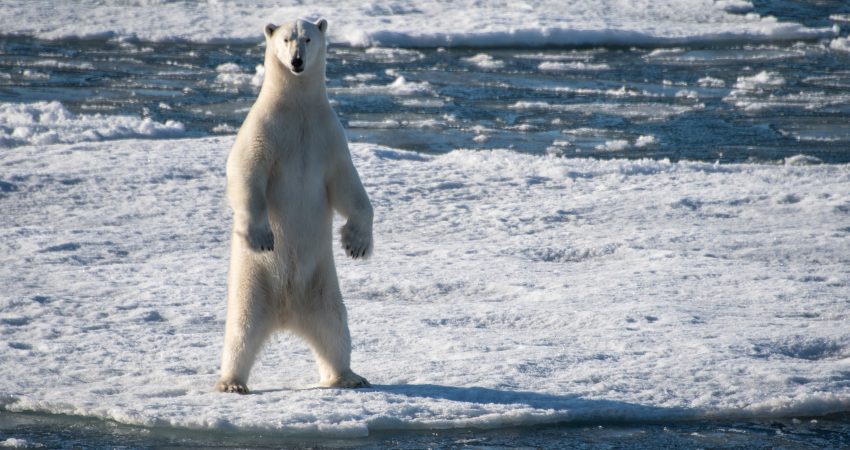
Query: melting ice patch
{"x": 635, "y": 111}
{"x": 735, "y": 6}
{"x": 617, "y": 145}
{"x": 724, "y": 289}
{"x": 399, "y": 86}
{"x": 840, "y": 44}
{"x": 556, "y": 66}
{"x": 711, "y": 82}
{"x": 763, "y": 91}
{"x": 759, "y": 80}
{"x": 18, "y": 443}
{"x": 233, "y": 77}
{"x": 50, "y": 123}
{"x": 431, "y": 23}
{"x": 713, "y": 56}
{"x": 751, "y": 92}
{"x": 393, "y": 55}
{"x": 485, "y": 61}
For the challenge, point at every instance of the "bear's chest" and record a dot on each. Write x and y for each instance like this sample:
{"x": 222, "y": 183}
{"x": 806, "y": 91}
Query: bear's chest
{"x": 299, "y": 172}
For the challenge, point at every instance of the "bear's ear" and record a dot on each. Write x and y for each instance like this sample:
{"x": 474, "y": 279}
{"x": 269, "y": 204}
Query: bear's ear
{"x": 322, "y": 24}
{"x": 269, "y": 29}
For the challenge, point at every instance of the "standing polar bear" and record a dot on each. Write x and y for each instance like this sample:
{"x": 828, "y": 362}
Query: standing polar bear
{"x": 287, "y": 173}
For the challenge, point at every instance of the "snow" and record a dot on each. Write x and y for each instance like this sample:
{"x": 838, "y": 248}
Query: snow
{"x": 426, "y": 23}
{"x": 505, "y": 289}
{"x": 51, "y": 122}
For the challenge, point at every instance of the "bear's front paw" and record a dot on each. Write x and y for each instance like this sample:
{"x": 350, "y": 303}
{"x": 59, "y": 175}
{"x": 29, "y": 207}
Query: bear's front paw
{"x": 356, "y": 240}
{"x": 231, "y": 387}
{"x": 259, "y": 239}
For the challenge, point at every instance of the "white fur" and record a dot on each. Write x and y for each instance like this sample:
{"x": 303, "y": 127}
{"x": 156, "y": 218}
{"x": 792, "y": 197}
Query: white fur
{"x": 289, "y": 169}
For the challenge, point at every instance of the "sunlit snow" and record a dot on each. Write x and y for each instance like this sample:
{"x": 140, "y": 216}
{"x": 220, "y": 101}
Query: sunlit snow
{"x": 505, "y": 289}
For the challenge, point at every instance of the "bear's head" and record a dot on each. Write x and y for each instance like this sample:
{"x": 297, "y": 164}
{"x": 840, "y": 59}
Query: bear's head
{"x": 298, "y": 45}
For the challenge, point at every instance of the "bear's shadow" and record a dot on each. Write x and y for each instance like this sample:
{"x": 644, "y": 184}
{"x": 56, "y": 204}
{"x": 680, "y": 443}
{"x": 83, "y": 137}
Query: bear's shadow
{"x": 585, "y": 410}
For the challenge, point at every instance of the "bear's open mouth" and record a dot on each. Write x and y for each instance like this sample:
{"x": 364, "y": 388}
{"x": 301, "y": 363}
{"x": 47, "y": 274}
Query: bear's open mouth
{"x": 297, "y": 70}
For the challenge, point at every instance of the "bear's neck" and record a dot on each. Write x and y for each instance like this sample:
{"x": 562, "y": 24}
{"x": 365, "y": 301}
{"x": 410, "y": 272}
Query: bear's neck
{"x": 282, "y": 87}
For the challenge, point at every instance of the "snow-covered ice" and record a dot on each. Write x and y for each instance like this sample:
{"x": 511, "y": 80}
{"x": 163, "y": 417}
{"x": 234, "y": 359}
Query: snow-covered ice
{"x": 424, "y": 23}
{"x": 505, "y": 289}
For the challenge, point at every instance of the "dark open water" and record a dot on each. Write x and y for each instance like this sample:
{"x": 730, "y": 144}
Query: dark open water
{"x": 818, "y": 433}
{"x": 729, "y": 103}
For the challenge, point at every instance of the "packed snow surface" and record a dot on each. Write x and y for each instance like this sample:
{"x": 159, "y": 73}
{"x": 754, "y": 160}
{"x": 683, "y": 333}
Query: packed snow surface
{"x": 405, "y": 23}
{"x": 505, "y": 289}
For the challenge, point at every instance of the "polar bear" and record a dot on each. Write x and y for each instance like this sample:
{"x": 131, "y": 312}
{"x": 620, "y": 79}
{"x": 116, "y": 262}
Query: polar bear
{"x": 288, "y": 171}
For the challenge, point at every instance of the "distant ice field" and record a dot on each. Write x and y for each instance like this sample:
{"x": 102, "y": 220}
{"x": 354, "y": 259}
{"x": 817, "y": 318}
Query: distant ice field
{"x": 505, "y": 289}
{"x": 404, "y": 23}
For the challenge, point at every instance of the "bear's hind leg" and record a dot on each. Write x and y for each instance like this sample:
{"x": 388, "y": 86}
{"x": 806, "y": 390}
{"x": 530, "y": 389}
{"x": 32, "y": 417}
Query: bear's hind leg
{"x": 323, "y": 323}
{"x": 249, "y": 324}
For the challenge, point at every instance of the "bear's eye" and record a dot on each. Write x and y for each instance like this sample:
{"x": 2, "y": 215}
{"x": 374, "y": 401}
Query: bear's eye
{"x": 307, "y": 40}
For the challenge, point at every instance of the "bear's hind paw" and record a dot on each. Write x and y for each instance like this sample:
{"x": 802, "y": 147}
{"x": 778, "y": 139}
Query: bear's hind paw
{"x": 234, "y": 387}
{"x": 347, "y": 381}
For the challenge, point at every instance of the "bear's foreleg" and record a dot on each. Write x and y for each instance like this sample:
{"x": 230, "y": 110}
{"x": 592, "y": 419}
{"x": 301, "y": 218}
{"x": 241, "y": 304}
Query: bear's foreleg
{"x": 247, "y": 181}
{"x": 349, "y": 198}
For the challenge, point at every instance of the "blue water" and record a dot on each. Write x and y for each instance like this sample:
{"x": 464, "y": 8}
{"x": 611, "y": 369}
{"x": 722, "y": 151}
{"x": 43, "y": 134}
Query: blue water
{"x": 587, "y": 102}
{"x": 678, "y": 103}
{"x": 809, "y": 433}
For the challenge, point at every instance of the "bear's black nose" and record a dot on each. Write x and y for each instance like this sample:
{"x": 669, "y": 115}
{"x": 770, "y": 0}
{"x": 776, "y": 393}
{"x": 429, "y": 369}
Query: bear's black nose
{"x": 297, "y": 63}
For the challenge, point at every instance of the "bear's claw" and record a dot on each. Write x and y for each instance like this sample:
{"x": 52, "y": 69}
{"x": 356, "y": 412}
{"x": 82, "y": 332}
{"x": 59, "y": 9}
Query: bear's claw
{"x": 356, "y": 240}
{"x": 261, "y": 240}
